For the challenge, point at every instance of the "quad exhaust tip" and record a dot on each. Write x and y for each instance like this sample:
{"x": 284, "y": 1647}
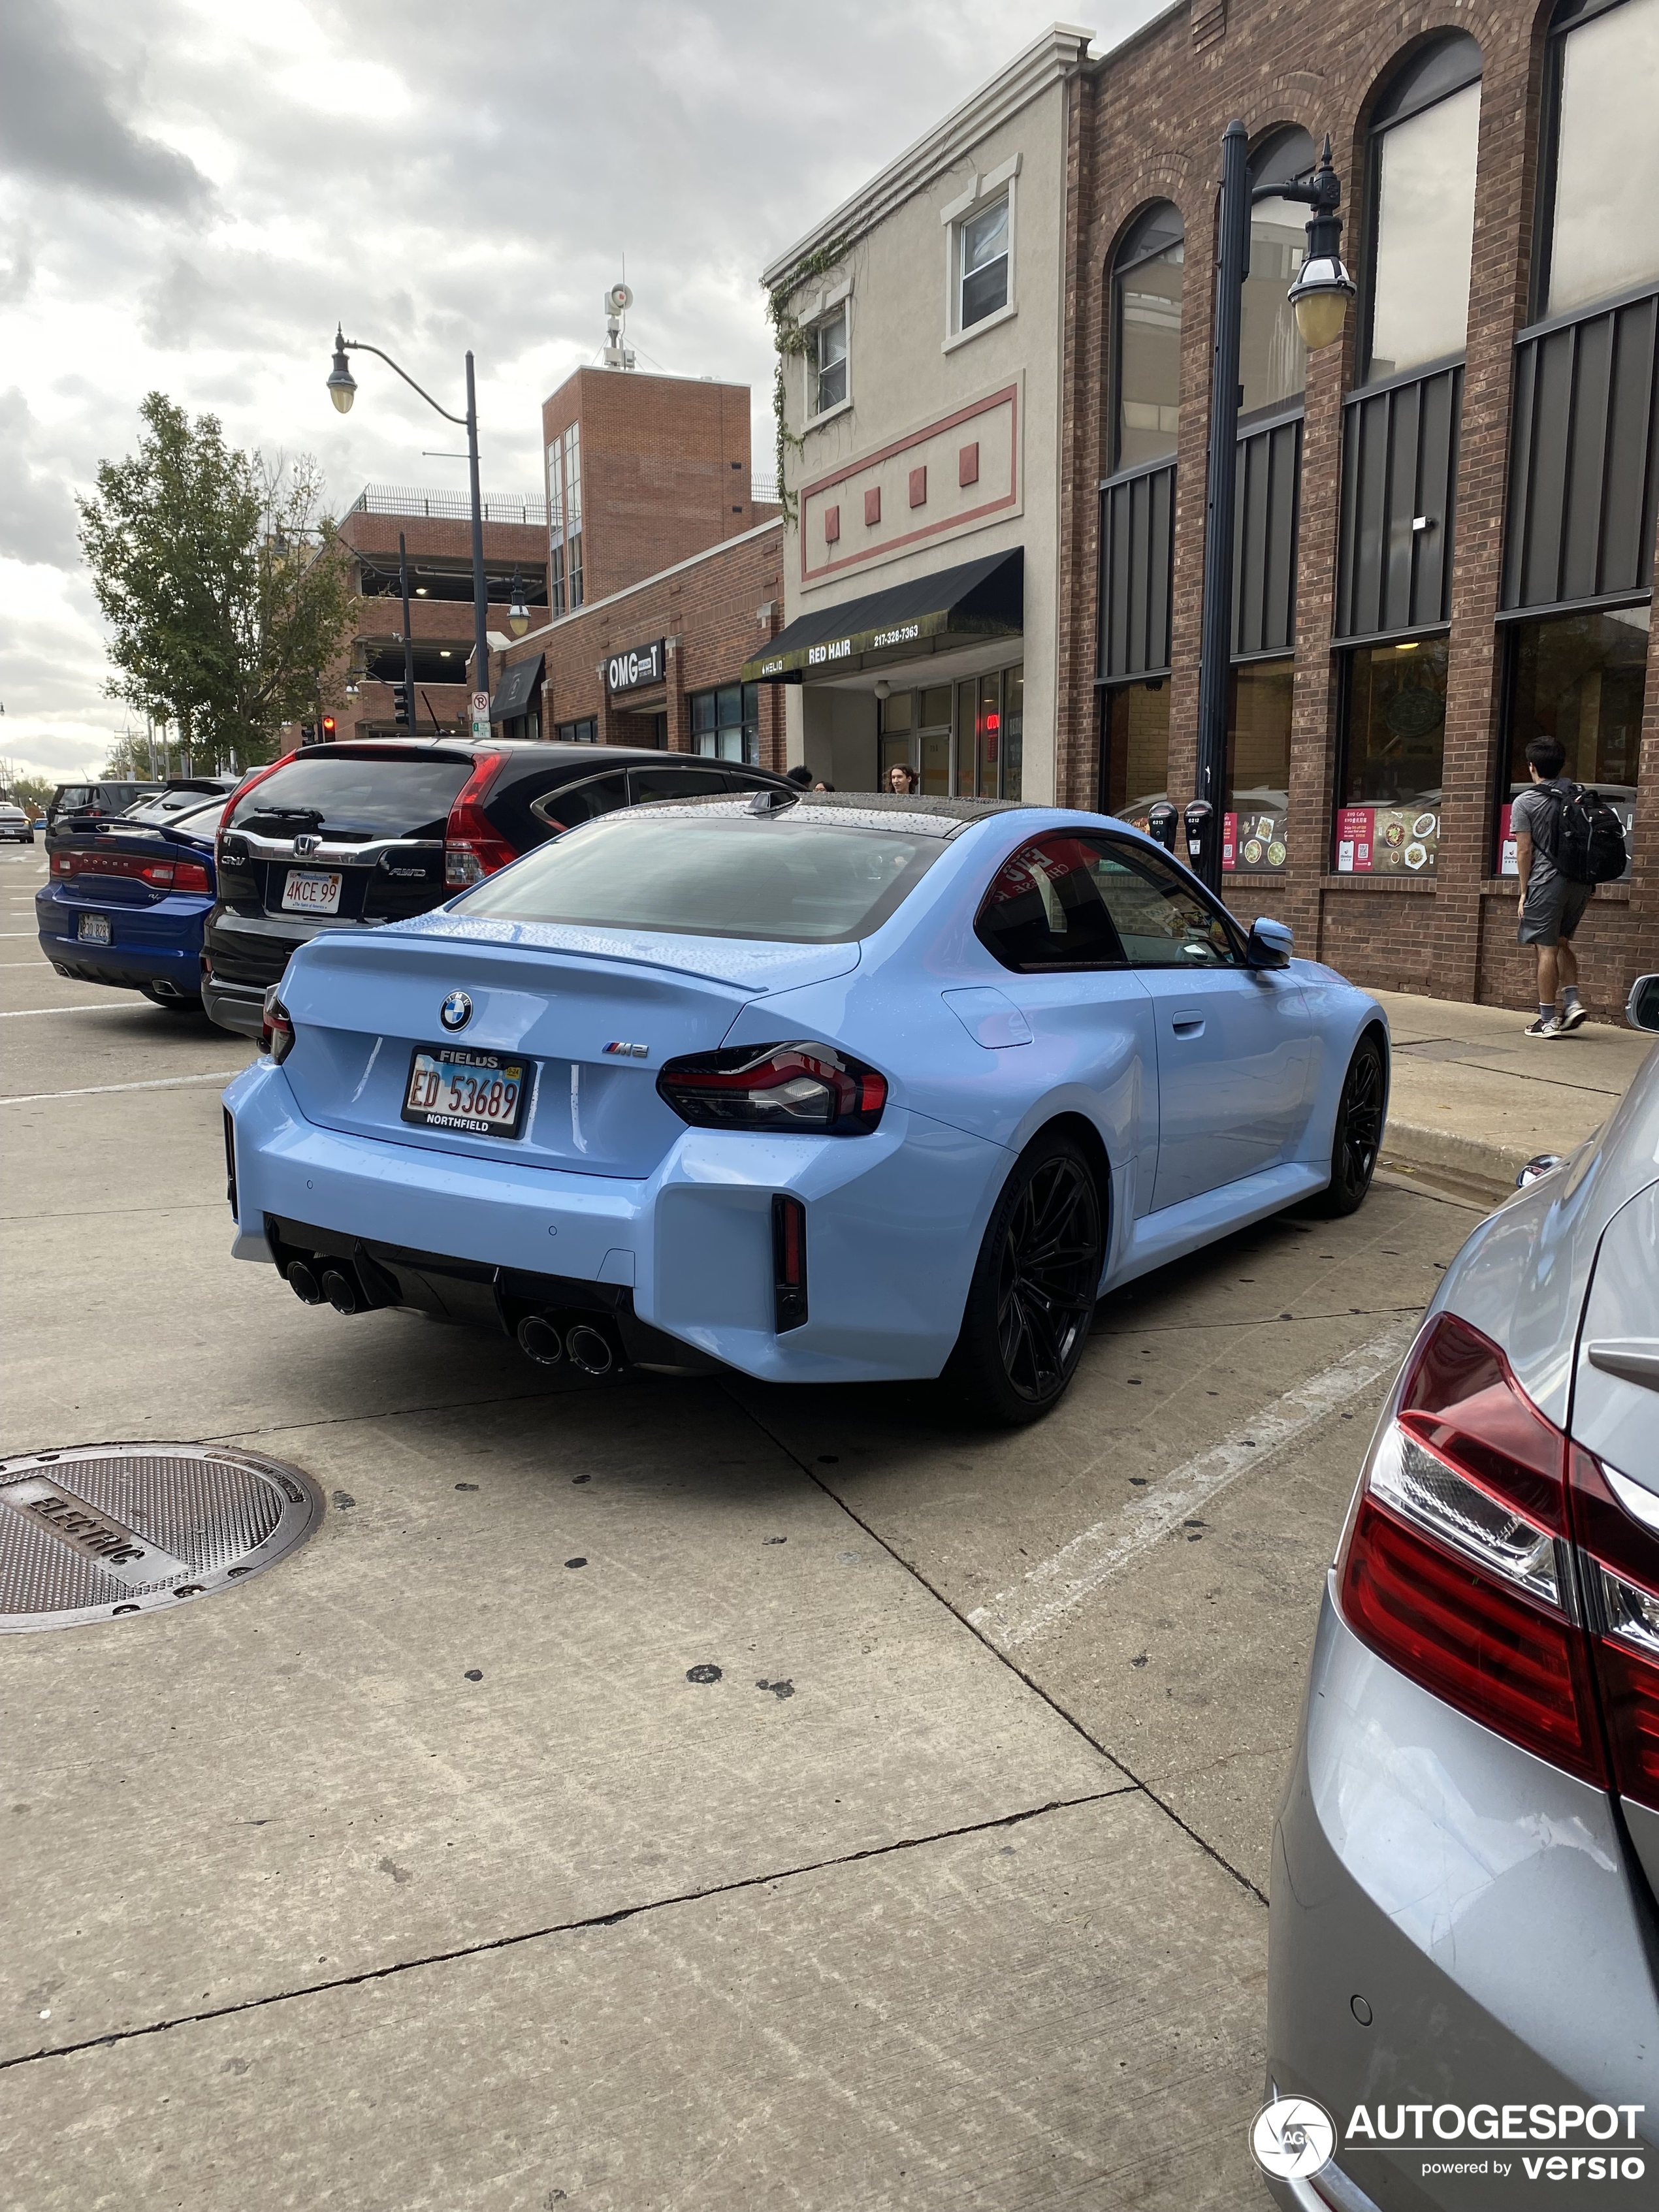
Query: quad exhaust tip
{"x": 540, "y": 1341}
{"x": 591, "y": 1351}
{"x": 304, "y": 1283}
{"x": 341, "y": 1291}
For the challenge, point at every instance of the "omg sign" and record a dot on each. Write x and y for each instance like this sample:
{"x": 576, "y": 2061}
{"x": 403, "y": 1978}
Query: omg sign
{"x": 633, "y": 670}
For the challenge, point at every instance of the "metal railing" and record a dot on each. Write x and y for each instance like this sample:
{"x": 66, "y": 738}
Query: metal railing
{"x": 447, "y": 505}
{"x": 762, "y": 489}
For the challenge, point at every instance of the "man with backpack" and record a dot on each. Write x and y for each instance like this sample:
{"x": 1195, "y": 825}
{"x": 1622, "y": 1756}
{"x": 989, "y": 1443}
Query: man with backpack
{"x": 1566, "y": 842}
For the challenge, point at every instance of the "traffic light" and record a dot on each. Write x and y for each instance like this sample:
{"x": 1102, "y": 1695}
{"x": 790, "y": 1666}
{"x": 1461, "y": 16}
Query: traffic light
{"x": 308, "y": 734}
{"x": 329, "y": 727}
{"x": 400, "y": 706}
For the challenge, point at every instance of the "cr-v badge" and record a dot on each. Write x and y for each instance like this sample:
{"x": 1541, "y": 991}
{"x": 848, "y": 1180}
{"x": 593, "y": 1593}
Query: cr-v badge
{"x": 456, "y": 1011}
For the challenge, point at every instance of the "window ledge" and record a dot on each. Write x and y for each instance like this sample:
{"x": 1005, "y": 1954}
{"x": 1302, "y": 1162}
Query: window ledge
{"x": 829, "y": 414}
{"x": 1377, "y": 882}
{"x": 978, "y": 330}
{"x": 1508, "y": 887}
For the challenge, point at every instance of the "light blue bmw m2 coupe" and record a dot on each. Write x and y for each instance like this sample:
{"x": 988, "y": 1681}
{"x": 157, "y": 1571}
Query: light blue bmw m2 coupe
{"x": 825, "y": 1088}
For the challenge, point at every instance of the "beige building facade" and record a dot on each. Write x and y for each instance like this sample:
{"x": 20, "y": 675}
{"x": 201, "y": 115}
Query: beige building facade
{"x": 923, "y": 403}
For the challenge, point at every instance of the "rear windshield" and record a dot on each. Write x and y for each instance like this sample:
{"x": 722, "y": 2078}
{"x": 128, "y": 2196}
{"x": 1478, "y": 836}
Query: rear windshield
{"x": 173, "y": 805}
{"x": 703, "y": 876}
{"x": 351, "y": 797}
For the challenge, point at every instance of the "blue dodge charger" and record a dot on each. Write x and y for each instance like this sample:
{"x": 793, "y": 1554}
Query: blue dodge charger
{"x": 126, "y": 895}
{"x": 832, "y": 1088}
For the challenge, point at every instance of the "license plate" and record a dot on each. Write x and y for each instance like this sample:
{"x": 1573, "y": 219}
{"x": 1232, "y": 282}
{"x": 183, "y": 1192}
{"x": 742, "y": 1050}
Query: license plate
{"x": 482, "y": 1093}
{"x": 93, "y": 929}
{"x": 307, "y": 893}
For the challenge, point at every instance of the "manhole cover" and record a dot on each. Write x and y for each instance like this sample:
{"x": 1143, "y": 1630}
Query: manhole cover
{"x": 112, "y": 1529}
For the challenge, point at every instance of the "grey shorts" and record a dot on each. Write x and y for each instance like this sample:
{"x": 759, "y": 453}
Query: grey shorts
{"x": 1552, "y": 911}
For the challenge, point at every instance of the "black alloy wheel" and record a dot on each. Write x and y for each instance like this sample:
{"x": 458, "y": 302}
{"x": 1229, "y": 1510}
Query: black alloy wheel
{"x": 1356, "y": 1138}
{"x": 1033, "y": 1293}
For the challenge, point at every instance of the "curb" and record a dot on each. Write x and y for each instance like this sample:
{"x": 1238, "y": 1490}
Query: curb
{"x": 1474, "y": 1158}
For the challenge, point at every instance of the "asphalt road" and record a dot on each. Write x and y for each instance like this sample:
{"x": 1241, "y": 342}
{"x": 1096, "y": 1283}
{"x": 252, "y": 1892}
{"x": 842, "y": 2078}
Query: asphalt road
{"x": 417, "y": 1873}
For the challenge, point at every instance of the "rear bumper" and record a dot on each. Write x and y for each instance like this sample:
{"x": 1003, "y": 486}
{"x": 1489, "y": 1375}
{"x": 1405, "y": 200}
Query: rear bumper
{"x": 894, "y": 1222}
{"x": 239, "y": 1006}
{"x": 156, "y": 943}
{"x": 1479, "y": 1902}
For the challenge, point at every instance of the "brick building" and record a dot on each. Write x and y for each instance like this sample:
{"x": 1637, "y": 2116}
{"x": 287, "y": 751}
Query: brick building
{"x": 437, "y": 531}
{"x": 1446, "y": 524}
{"x": 1444, "y": 540}
{"x": 664, "y": 574}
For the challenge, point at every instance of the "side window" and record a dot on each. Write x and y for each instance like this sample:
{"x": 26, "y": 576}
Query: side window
{"x": 1043, "y": 910}
{"x": 568, "y": 804}
{"x": 1163, "y": 920}
{"x": 648, "y": 785}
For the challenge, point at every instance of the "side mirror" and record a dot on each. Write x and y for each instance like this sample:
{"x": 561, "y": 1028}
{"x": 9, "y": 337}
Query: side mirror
{"x": 1270, "y": 945}
{"x": 1642, "y": 1008}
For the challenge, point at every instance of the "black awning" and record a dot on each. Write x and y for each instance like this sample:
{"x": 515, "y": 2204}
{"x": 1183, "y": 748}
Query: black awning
{"x": 518, "y": 688}
{"x": 981, "y": 598}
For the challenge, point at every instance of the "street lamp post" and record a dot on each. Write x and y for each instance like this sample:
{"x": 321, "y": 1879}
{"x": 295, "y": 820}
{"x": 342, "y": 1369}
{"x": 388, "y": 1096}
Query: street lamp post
{"x": 343, "y": 390}
{"x": 1320, "y": 296}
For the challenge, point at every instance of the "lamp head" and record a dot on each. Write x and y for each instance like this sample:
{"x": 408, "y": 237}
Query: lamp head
{"x": 518, "y": 614}
{"x": 1320, "y": 296}
{"x": 342, "y": 384}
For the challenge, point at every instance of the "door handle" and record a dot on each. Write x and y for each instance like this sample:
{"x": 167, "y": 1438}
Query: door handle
{"x": 1189, "y": 1023}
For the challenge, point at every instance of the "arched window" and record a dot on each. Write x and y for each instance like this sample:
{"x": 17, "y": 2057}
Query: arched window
{"x": 1423, "y": 138}
{"x": 1146, "y": 339}
{"x": 1598, "y": 230}
{"x": 1273, "y": 362}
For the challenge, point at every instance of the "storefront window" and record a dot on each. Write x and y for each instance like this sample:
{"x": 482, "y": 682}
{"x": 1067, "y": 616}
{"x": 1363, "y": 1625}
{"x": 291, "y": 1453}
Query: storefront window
{"x": 1273, "y": 362}
{"x": 1146, "y": 326}
{"x": 726, "y": 723}
{"x": 1387, "y": 819}
{"x": 1578, "y": 678}
{"x": 968, "y": 739}
{"x": 1425, "y": 143}
{"x": 1253, "y": 832}
{"x": 585, "y": 733}
{"x": 1600, "y": 225}
{"x": 1135, "y": 734}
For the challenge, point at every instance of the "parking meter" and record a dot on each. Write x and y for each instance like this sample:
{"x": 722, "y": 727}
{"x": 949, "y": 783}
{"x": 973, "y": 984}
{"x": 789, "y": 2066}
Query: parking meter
{"x": 1161, "y": 821}
{"x": 1200, "y": 820}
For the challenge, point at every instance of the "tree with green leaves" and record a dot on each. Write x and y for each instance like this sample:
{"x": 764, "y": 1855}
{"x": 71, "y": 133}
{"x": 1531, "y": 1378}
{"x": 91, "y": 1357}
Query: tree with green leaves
{"x": 228, "y": 596}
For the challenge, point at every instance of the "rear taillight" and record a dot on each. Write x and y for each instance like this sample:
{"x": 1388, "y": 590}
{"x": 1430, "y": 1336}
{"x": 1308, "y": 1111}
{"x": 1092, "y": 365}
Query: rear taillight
{"x": 230, "y": 1160}
{"x": 811, "y": 1090}
{"x": 1617, "y": 1524}
{"x": 1457, "y": 1567}
{"x": 276, "y": 1028}
{"x": 788, "y": 1263}
{"x": 473, "y": 847}
{"x": 160, "y": 875}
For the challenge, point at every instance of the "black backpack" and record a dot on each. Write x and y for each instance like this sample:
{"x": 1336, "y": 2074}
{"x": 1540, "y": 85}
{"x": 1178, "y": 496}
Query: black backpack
{"x": 1586, "y": 843}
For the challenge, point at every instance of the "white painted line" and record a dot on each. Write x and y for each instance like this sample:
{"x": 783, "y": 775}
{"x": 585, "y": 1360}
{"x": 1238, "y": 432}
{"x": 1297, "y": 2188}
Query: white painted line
{"x": 95, "y": 1090}
{"x": 1052, "y": 1590}
{"x": 28, "y": 1013}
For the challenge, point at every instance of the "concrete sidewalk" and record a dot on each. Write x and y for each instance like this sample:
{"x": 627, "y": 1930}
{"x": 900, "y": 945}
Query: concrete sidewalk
{"x": 1472, "y": 1099}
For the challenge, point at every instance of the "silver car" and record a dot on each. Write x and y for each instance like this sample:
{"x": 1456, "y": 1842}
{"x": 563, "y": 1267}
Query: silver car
{"x": 1464, "y": 1940}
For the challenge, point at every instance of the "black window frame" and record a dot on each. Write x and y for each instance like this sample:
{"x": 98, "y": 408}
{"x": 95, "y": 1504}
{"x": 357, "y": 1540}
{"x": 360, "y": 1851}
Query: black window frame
{"x": 1385, "y": 114}
{"x": 1570, "y": 15}
{"x": 584, "y": 730}
{"x": 1123, "y": 261}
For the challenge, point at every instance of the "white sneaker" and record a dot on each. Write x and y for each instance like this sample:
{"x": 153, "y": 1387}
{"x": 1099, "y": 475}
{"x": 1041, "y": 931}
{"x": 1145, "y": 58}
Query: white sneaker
{"x": 1577, "y": 1012}
{"x": 1546, "y": 1026}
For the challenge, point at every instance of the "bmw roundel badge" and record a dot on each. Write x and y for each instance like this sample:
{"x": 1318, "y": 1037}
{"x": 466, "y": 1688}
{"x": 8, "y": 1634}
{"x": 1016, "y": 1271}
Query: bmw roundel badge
{"x": 456, "y": 1011}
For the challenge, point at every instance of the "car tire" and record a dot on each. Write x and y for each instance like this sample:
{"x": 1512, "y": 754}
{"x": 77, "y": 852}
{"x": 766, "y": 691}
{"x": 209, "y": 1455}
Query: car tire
{"x": 1035, "y": 1283}
{"x": 1357, "y": 1137}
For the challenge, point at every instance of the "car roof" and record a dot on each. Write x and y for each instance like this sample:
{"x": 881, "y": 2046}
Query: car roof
{"x": 866, "y": 810}
{"x": 596, "y": 759}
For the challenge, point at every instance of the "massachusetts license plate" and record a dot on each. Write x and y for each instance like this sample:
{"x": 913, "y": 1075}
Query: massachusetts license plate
{"x": 307, "y": 892}
{"x": 480, "y": 1092}
{"x": 93, "y": 929}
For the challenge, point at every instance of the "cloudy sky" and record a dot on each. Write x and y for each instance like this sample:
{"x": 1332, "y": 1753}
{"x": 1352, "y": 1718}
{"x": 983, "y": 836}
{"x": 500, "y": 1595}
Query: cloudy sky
{"x": 191, "y": 194}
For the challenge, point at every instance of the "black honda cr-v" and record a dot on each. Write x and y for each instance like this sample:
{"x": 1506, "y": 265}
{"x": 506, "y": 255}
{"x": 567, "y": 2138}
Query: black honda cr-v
{"x": 348, "y": 836}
